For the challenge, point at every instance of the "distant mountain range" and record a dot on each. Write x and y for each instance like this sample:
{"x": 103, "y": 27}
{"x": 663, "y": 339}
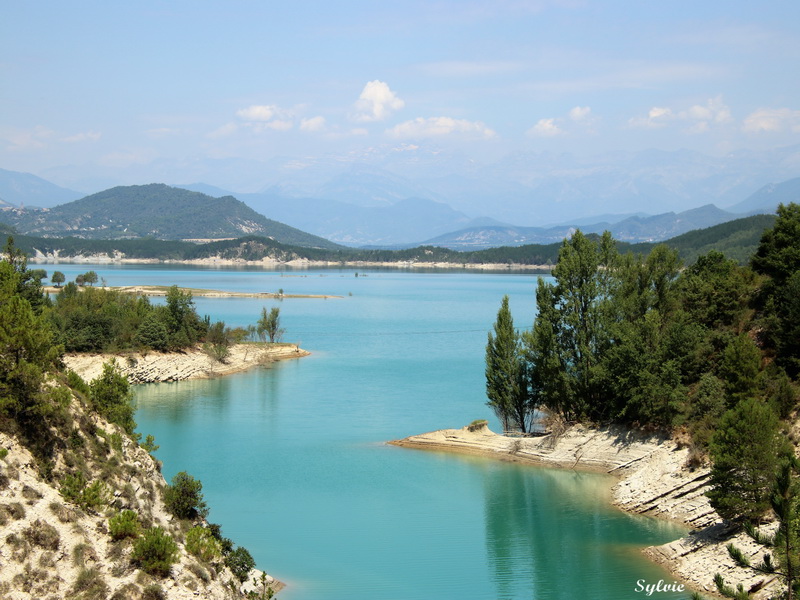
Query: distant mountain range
{"x": 157, "y": 211}
{"x": 632, "y": 229}
{"x": 370, "y": 206}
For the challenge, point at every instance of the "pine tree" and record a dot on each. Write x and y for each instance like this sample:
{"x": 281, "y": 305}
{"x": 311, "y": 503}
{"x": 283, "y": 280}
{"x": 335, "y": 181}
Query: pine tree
{"x": 746, "y": 450}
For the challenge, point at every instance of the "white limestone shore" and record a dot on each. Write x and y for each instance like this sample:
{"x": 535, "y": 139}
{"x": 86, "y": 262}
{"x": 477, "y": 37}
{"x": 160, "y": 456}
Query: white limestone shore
{"x": 653, "y": 479}
{"x": 192, "y": 363}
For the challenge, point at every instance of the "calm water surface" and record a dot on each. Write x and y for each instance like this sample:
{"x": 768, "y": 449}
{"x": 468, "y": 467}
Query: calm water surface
{"x": 295, "y": 468}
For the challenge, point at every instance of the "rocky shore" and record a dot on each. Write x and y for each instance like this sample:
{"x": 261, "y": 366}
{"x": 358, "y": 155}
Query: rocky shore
{"x": 653, "y": 479}
{"x": 192, "y": 363}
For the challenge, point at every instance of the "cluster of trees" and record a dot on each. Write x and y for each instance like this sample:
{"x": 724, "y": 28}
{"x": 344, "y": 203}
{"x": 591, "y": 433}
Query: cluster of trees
{"x": 98, "y": 319}
{"x": 642, "y": 340}
{"x": 712, "y": 348}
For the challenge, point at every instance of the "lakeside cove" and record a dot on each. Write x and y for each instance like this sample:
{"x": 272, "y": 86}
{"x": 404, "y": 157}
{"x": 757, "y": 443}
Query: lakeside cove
{"x": 653, "y": 479}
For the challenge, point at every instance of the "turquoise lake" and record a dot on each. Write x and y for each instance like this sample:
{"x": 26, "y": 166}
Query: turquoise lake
{"x": 295, "y": 467}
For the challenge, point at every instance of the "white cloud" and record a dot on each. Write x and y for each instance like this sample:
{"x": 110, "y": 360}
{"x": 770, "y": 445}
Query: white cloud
{"x": 441, "y": 126}
{"x": 545, "y": 128}
{"x": 263, "y": 117}
{"x": 772, "y": 120}
{"x": 700, "y": 117}
{"x": 312, "y": 124}
{"x": 256, "y": 112}
{"x": 376, "y": 102}
{"x": 714, "y": 111}
{"x": 579, "y": 113}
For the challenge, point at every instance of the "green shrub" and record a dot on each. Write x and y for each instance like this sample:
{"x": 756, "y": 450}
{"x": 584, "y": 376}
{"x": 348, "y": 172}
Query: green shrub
{"x": 75, "y": 490}
{"x": 124, "y": 525}
{"x": 184, "y": 497}
{"x": 155, "y": 552}
{"x": 201, "y": 543}
{"x": 240, "y": 562}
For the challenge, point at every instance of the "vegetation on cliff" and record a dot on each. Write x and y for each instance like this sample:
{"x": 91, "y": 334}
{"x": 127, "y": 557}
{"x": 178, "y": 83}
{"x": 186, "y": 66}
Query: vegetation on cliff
{"x": 83, "y": 506}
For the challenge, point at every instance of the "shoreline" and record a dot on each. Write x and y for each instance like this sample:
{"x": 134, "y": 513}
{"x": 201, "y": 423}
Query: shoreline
{"x": 300, "y": 263}
{"x": 192, "y": 363}
{"x": 652, "y": 479}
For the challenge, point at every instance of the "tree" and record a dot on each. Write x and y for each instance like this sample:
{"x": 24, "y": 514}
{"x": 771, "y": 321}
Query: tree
{"x": 152, "y": 333}
{"x": 746, "y": 450}
{"x": 57, "y": 278}
{"x": 739, "y": 368}
{"x": 112, "y": 397}
{"x": 184, "y": 497}
{"x": 506, "y": 374}
{"x": 778, "y": 253}
{"x": 571, "y": 330}
{"x": 269, "y": 325}
{"x": 90, "y": 277}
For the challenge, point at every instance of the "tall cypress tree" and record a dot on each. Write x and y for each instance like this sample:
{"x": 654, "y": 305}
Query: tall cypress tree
{"x": 506, "y": 376}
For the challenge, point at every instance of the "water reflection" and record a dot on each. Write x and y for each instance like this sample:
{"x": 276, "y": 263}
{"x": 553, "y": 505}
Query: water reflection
{"x": 552, "y": 534}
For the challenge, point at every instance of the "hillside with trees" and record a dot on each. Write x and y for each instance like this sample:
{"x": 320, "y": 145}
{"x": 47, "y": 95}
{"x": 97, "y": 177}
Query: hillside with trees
{"x": 709, "y": 352}
{"x": 84, "y": 508}
{"x": 156, "y": 211}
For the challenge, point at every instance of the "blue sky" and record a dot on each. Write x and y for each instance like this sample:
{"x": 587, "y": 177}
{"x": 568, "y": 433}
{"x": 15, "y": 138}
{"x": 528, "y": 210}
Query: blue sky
{"x": 106, "y": 85}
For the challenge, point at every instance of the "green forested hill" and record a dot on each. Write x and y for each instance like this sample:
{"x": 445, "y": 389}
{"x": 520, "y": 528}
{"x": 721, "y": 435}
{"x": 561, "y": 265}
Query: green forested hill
{"x": 156, "y": 211}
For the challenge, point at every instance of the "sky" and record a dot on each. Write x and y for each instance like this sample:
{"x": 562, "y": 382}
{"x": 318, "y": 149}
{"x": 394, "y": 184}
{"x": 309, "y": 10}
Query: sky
{"x": 109, "y": 85}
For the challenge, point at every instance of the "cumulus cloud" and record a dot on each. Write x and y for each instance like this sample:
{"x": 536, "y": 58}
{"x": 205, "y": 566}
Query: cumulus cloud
{"x": 772, "y": 120}
{"x": 545, "y": 128}
{"x": 376, "y": 102}
{"x": 312, "y": 124}
{"x": 439, "y": 127}
{"x": 579, "y": 113}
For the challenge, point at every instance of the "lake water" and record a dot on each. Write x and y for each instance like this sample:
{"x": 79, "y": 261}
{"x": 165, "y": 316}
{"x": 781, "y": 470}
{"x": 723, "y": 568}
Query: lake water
{"x": 295, "y": 468}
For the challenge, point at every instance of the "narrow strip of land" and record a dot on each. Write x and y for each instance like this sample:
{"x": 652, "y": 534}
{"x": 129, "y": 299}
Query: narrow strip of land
{"x": 161, "y": 290}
